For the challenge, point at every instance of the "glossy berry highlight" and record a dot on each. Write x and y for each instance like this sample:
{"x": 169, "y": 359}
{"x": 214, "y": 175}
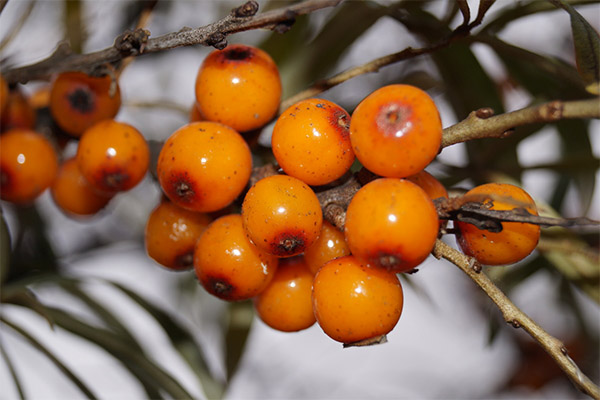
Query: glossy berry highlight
{"x": 228, "y": 265}
{"x": 204, "y": 166}
{"x": 396, "y": 131}
{"x": 516, "y": 240}
{"x": 355, "y": 302}
{"x": 282, "y": 215}
{"x": 239, "y": 87}
{"x": 311, "y": 141}
{"x": 391, "y": 223}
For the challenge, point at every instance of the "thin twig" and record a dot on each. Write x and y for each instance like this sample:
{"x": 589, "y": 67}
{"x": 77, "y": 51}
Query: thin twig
{"x": 518, "y": 319}
{"x": 139, "y": 42}
{"x": 483, "y": 124}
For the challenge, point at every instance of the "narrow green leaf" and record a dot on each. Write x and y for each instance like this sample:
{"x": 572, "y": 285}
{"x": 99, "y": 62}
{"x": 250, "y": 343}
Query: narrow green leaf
{"x": 240, "y": 315}
{"x": 463, "y": 5}
{"x": 587, "y": 47}
{"x": 182, "y": 341}
{"x": 59, "y": 364}
{"x": 74, "y": 27}
{"x": 23, "y": 296}
{"x": 144, "y": 369}
{"x": 13, "y": 372}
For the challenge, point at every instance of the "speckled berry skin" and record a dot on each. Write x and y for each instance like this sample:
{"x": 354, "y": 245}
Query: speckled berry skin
{"x": 311, "y": 141}
{"x": 228, "y": 265}
{"x": 204, "y": 166}
{"x": 282, "y": 215}
{"x": 239, "y": 87}
{"x": 354, "y": 301}
{"x": 113, "y": 156}
{"x": 396, "y": 131}
{"x": 516, "y": 240}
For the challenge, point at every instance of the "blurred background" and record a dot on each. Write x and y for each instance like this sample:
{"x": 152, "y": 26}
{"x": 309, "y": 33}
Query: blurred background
{"x": 84, "y": 292}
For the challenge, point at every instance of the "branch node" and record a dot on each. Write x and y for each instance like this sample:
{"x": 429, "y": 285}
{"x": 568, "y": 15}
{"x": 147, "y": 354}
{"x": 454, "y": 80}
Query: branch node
{"x": 132, "y": 42}
{"x": 484, "y": 113}
{"x": 515, "y": 324}
{"x": 286, "y": 24}
{"x": 248, "y": 9}
{"x": 476, "y": 266}
{"x": 217, "y": 40}
{"x": 552, "y": 111}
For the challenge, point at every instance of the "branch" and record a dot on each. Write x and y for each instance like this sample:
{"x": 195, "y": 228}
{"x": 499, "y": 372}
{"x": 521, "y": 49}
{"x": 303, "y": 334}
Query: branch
{"x": 483, "y": 124}
{"x": 139, "y": 42}
{"x": 518, "y": 319}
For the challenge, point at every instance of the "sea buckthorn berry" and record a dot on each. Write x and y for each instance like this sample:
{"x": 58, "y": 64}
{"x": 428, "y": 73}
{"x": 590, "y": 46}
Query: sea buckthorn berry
{"x": 113, "y": 156}
{"x": 311, "y": 141}
{"x": 516, "y": 240}
{"x": 195, "y": 113}
{"x": 228, "y": 265}
{"x": 171, "y": 235}
{"x": 3, "y": 94}
{"x": 282, "y": 215}
{"x": 286, "y": 304}
{"x": 204, "y": 166}
{"x": 78, "y": 101}
{"x": 73, "y": 194}
{"x": 18, "y": 114}
{"x": 239, "y": 87}
{"x": 396, "y": 131}
{"x": 431, "y": 186}
{"x": 354, "y": 302}
{"x": 391, "y": 223}
{"x": 330, "y": 244}
{"x": 28, "y": 165}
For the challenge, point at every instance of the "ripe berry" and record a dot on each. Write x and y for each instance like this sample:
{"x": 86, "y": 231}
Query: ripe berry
{"x": 18, "y": 114}
{"x": 396, "y": 131}
{"x": 330, "y": 244}
{"x": 429, "y": 184}
{"x": 282, "y": 215}
{"x": 113, "y": 156}
{"x": 286, "y": 303}
{"x": 516, "y": 240}
{"x": 73, "y": 194}
{"x": 353, "y": 301}
{"x": 228, "y": 265}
{"x": 28, "y": 165}
{"x": 171, "y": 235}
{"x": 239, "y": 87}
{"x": 195, "y": 113}
{"x": 391, "y": 223}
{"x": 204, "y": 166}
{"x": 3, "y": 94}
{"x": 311, "y": 141}
{"x": 78, "y": 101}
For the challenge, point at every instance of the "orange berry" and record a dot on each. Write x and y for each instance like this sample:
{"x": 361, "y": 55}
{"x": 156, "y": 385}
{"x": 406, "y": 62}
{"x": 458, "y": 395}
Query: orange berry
{"x": 113, "y": 156}
{"x": 28, "y": 165}
{"x": 18, "y": 112}
{"x": 228, "y": 265}
{"x": 239, "y": 87}
{"x": 429, "y": 184}
{"x": 204, "y": 166}
{"x": 3, "y": 94}
{"x": 282, "y": 215}
{"x": 353, "y": 301}
{"x": 73, "y": 194}
{"x": 78, "y": 101}
{"x": 311, "y": 141}
{"x": 396, "y": 131}
{"x": 330, "y": 244}
{"x": 391, "y": 223}
{"x": 40, "y": 98}
{"x": 195, "y": 113}
{"x": 171, "y": 235}
{"x": 286, "y": 304}
{"x": 516, "y": 240}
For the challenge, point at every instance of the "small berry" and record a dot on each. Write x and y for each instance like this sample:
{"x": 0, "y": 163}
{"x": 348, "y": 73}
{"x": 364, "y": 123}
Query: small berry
{"x": 282, "y": 215}
{"x": 391, "y": 223}
{"x": 18, "y": 112}
{"x": 396, "y": 131}
{"x": 28, "y": 165}
{"x": 354, "y": 302}
{"x": 113, "y": 156}
{"x": 171, "y": 234}
{"x": 330, "y": 244}
{"x": 204, "y": 166}
{"x": 195, "y": 113}
{"x": 516, "y": 240}
{"x": 286, "y": 303}
{"x": 239, "y": 87}
{"x": 73, "y": 194}
{"x": 3, "y": 94}
{"x": 78, "y": 101}
{"x": 311, "y": 141}
{"x": 228, "y": 265}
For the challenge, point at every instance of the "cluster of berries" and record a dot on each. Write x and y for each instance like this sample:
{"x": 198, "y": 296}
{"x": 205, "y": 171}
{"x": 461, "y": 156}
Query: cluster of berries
{"x": 275, "y": 248}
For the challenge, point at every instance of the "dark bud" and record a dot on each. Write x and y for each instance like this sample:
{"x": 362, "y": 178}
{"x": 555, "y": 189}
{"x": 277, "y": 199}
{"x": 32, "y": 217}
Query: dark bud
{"x": 248, "y": 9}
